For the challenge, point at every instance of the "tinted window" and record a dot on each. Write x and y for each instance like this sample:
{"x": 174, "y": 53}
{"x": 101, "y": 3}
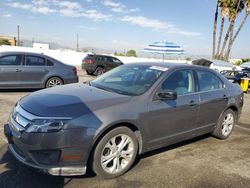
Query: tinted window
{"x": 11, "y": 60}
{"x": 180, "y": 81}
{"x": 98, "y": 58}
{"x": 35, "y": 61}
{"x": 116, "y": 60}
{"x": 209, "y": 81}
{"x": 49, "y": 63}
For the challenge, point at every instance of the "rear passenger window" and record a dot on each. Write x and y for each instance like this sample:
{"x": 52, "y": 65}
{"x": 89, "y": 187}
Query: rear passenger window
{"x": 35, "y": 61}
{"x": 11, "y": 60}
{"x": 49, "y": 63}
{"x": 209, "y": 81}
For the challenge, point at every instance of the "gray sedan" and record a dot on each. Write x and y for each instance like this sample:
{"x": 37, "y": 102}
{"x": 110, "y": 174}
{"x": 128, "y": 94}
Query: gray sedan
{"x": 133, "y": 109}
{"x": 32, "y": 70}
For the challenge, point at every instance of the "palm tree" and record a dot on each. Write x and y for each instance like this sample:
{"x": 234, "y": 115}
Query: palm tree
{"x": 240, "y": 27}
{"x": 235, "y": 7}
{"x": 223, "y": 4}
{"x": 215, "y": 28}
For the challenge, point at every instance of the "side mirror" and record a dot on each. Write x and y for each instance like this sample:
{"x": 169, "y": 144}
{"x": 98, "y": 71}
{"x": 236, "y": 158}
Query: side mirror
{"x": 166, "y": 94}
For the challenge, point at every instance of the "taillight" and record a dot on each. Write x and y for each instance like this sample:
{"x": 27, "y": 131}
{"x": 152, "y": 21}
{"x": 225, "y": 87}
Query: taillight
{"x": 75, "y": 70}
{"x": 89, "y": 61}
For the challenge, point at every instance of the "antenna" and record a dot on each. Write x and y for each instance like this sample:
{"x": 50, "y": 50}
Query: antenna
{"x": 77, "y": 44}
{"x": 18, "y": 41}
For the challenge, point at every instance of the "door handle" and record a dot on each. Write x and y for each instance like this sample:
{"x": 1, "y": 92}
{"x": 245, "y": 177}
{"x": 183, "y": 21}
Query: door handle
{"x": 18, "y": 70}
{"x": 225, "y": 97}
{"x": 192, "y": 103}
{"x": 45, "y": 70}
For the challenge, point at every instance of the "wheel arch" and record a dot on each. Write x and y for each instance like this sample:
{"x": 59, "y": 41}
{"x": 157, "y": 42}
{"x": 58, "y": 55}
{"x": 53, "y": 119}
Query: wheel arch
{"x": 129, "y": 125}
{"x": 52, "y": 76}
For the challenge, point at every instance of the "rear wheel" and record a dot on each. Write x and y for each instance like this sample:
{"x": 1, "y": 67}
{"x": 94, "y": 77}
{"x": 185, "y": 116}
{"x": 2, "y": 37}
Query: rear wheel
{"x": 225, "y": 124}
{"x": 54, "y": 81}
{"x": 89, "y": 72}
{"x": 115, "y": 153}
{"x": 99, "y": 71}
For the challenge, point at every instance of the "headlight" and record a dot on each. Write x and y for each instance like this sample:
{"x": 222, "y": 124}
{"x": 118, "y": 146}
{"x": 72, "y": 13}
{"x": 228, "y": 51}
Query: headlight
{"x": 46, "y": 125}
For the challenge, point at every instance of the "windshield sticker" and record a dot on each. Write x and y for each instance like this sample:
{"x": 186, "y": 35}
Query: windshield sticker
{"x": 159, "y": 68}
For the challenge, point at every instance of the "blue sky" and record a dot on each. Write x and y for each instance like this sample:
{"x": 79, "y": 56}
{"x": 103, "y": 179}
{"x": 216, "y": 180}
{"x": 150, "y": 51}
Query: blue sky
{"x": 118, "y": 24}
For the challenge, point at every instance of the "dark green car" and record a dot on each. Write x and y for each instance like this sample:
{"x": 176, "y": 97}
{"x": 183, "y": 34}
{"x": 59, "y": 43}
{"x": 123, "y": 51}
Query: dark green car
{"x": 98, "y": 64}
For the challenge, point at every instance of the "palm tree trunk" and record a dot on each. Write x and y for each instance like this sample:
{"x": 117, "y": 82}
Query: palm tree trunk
{"x": 226, "y": 56}
{"x": 215, "y": 28}
{"x": 220, "y": 36}
{"x": 237, "y": 33}
{"x": 225, "y": 41}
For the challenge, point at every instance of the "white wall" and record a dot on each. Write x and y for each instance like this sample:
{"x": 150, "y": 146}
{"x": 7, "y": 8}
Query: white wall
{"x": 75, "y": 58}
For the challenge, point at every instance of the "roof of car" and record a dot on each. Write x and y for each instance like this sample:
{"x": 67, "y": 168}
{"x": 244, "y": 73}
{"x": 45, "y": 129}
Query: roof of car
{"x": 168, "y": 65}
{"x": 20, "y": 52}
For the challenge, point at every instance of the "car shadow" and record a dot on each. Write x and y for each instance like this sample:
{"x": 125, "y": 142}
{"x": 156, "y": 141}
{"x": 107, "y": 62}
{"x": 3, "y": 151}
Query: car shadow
{"x": 170, "y": 147}
{"x": 15, "y": 174}
{"x": 18, "y": 175}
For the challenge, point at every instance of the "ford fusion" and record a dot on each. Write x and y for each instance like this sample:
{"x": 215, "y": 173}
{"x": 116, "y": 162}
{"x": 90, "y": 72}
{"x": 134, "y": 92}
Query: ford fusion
{"x": 135, "y": 108}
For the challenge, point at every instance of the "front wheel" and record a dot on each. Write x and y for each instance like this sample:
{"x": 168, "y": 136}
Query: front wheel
{"x": 115, "y": 153}
{"x": 225, "y": 124}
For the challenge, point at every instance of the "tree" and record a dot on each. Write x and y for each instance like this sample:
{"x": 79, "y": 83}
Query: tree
{"x": 224, "y": 13}
{"x": 4, "y": 42}
{"x": 215, "y": 28}
{"x": 131, "y": 53}
{"x": 239, "y": 29}
{"x": 235, "y": 7}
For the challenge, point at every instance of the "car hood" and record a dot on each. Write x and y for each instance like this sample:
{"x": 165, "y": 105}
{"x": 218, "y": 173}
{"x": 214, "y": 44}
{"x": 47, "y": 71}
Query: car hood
{"x": 71, "y": 100}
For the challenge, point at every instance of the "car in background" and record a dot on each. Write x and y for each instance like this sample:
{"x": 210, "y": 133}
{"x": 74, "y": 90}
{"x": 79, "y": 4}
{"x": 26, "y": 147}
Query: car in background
{"x": 130, "y": 110}
{"x": 214, "y": 64}
{"x": 33, "y": 70}
{"x": 236, "y": 76}
{"x": 245, "y": 65}
{"x": 98, "y": 64}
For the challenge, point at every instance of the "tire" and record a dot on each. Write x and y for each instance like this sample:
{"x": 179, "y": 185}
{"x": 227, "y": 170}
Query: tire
{"x": 53, "y": 81}
{"x": 89, "y": 72}
{"x": 112, "y": 152}
{"x": 225, "y": 124}
{"x": 99, "y": 71}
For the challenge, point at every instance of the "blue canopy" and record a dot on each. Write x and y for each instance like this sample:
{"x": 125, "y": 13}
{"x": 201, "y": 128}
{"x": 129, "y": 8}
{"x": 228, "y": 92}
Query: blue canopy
{"x": 168, "y": 48}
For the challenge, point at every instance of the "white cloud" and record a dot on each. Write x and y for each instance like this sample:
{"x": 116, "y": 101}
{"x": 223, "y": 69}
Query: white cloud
{"x": 156, "y": 25}
{"x": 7, "y": 15}
{"x": 97, "y": 16}
{"x": 118, "y": 7}
{"x": 61, "y": 7}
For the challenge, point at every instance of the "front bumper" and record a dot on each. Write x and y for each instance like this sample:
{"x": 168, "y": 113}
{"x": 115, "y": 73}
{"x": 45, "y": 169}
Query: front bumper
{"x": 71, "y": 80}
{"x": 22, "y": 146}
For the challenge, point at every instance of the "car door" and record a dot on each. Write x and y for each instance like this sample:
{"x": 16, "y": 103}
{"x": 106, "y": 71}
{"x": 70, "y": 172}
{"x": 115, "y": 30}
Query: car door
{"x": 173, "y": 120}
{"x": 10, "y": 70}
{"x": 213, "y": 98}
{"x": 34, "y": 71}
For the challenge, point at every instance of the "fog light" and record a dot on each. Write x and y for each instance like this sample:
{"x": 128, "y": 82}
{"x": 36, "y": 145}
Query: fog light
{"x": 46, "y": 157}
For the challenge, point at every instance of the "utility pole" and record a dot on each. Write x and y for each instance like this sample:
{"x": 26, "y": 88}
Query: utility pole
{"x": 18, "y": 39}
{"x": 77, "y": 44}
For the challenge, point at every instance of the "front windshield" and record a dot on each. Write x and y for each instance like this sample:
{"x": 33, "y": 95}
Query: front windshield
{"x": 129, "y": 79}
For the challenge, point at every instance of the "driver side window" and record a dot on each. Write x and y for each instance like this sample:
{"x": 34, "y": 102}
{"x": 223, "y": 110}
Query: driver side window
{"x": 181, "y": 81}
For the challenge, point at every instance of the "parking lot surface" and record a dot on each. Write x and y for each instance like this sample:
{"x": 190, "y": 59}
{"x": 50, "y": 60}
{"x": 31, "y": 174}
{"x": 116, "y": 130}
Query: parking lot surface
{"x": 200, "y": 162}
